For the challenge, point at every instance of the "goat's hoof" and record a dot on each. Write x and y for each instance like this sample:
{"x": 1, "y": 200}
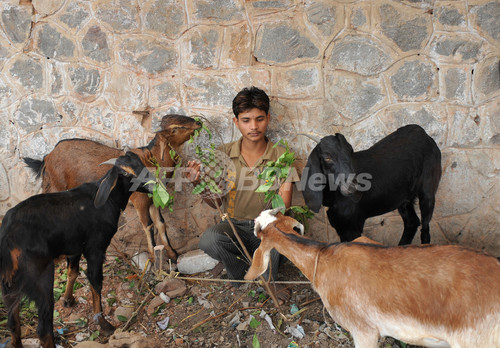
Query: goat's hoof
{"x": 106, "y": 328}
{"x": 69, "y": 301}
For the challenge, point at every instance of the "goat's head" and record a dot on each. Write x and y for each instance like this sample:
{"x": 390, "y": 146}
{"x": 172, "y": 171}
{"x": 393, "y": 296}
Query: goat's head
{"x": 128, "y": 168}
{"x": 270, "y": 227}
{"x": 175, "y": 130}
{"x": 329, "y": 165}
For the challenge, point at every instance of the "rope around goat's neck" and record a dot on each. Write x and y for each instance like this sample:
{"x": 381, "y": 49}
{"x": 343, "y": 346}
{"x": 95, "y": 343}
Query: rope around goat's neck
{"x": 315, "y": 267}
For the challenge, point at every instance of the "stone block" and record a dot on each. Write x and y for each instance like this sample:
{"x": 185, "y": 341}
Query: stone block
{"x": 236, "y": 47}
{"x": 75, "y": 14}
{"x": 4, "y": 184}
{"x": 120, "y": 15}
{"x": 219, "y": 11}
{"x": 414, "y": 80}
{"x": 85, "y": 81}
{"x": 326, "y": 17}
{"x": 484, "y": 18}
{"x": 354, "y": 96}
{"x": 202, "y": 47}
{"x": 28, "y": 72}
{"x": 158, "y": 10}
{"x": 450, "y": 15}
{"x": 350, "y": 54}
{"x": 283, "y": 43}
{"x": 487, "y": 78}
{"x": 95, "y": 44}
{"x": 458, "y": 48}
{"x": 302, "y": 81}
{"x": 195, "y": 261}
{"x": 407, "y": 27}
{"x": 16, "y": 22}
{"x": 52, "y": 43}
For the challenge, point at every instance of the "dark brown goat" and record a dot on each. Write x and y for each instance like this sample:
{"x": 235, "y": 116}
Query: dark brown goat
{"x": 76, "y": 161}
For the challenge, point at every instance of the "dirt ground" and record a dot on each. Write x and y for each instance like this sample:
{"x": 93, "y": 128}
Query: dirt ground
{"x": 208, "y": 314}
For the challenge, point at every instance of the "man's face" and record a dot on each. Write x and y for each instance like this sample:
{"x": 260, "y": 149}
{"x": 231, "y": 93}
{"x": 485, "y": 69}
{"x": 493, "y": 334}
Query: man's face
{"x": 252, "y": 124}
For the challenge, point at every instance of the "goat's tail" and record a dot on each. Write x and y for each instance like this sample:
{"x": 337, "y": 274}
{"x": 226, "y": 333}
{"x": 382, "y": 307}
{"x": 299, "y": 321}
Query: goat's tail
{"x": 35, "y": 165}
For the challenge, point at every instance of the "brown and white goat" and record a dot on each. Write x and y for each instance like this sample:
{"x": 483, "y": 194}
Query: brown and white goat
{"x": 434, "y": 296}
{"x": 75, "y": 161}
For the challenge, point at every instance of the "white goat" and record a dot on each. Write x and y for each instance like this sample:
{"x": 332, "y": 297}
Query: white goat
{"x": 434, "y": 296}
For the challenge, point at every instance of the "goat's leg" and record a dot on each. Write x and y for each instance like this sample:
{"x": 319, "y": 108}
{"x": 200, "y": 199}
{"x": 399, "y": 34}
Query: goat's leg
{"x": 162, "y": 231}
{"x": 411, "y": 222}
{"x": 44, "y": 299}
{"x": 141, "y": 204}
{"x": 368, "y": 339}
{"x": 94, "y": 275}
{"x": 426, "y": 203}
{"x": 12, "y": 301}
{"x": 73, "y": 271}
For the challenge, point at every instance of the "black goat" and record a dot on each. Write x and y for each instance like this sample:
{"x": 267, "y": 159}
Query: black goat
{"x": 46, "y": 227}
{"x": 389, "y": 175}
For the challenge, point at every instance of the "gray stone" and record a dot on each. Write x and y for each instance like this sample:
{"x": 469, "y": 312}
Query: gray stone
{"x": 360, "y": 55}
{"x": 204, "y": 47}
{"x": 85, "y": 82}
{"x": 323, "y": 17}
{"x": 488, "y": 18}
{"x": 123, "y": 313}
{"x": 195, "y": 261}
{"x": 488, "y": 77}
{"x": 152, "y": 57}
{"x": 4, "y": 53}
{"x": 8, "y": 95}
{"x": 75, "y": 14}
{"x": 358, "y": 18}
{"x": 281, "y": 43}
{"x": 464, "y": 49}
{"x": 354, "y": 96}
{"x": 464, "y": 130}
{"x": 142, "y": 261}
{"x": 209, "y": 91}
{"x": 219, "y": 10}
{"x": 455, "y": 83}
{"x": 95, "y": 44}
{"x": 270, "y": 4}
{"x": 166, "y": 91}
{"x": 17, "y": 22}
{"x": 36, "y": 113}
{"x": 53, "y": 44}
{"x": 408, "y": 35}
{"x": 28, "y": 72}
{"x": 413, "y": 79}
{"x": 4, "y": 184}
{"x": 121, "y": 15}
{"x": 55, "y": 79}
{"x": 450, "y": 16}
{"x": 166, "y": 18}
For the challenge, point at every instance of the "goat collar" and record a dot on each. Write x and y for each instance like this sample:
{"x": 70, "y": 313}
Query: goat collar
{"x": 316, "y": 260}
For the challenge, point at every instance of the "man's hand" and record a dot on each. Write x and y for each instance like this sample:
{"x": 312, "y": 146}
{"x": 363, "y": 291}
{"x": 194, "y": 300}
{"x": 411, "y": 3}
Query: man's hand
{"x": 193, "y": 172}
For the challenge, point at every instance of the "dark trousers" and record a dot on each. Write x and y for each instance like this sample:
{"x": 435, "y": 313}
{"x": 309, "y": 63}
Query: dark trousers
{"x": 219, "y": 242}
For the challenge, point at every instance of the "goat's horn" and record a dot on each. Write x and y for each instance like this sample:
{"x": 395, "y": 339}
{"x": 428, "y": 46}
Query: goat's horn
{"x": 312, "y": 137}
{"x": 111, "y": 161}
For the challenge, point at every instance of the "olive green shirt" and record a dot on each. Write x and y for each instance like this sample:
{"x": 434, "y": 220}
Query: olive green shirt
{"x": 242, "y": 202}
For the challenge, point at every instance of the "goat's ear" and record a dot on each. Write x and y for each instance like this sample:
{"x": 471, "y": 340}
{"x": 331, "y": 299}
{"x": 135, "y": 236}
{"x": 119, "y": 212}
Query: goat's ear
{"x": 344, "y": 141}
{"x": 312, "y": 189}
{"x": 107, "y": 184}
{"x": 260, "y": 261}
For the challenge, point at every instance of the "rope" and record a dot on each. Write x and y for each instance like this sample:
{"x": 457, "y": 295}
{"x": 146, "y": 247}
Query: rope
{"x": 241, "y": 281}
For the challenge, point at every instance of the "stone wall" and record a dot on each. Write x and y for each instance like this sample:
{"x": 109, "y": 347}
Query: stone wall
{"x": 74, "y": 68}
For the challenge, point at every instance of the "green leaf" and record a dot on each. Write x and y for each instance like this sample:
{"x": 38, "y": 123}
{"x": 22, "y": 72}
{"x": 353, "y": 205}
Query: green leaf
{"x": 199, "y": 188}
{"x": 172, "y": 153}
{"x": 277, "y": 202}
{"x": 254, "y": 323}
{"x": 255, "y": 341}
{"x": 265, "y": 187}
{"x": 122, "y": 318}
{"x": 94, "y": 335}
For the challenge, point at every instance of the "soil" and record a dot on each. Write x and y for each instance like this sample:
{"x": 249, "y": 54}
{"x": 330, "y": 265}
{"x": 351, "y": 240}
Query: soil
{"x": 203, "y": 317}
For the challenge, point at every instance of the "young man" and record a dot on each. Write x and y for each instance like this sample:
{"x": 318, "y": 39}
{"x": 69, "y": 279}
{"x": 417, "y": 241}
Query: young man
{"x": 242, "y": 204}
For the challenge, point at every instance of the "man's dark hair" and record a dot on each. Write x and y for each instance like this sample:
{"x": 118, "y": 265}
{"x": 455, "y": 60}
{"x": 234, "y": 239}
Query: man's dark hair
{"x": 249, "y": 98}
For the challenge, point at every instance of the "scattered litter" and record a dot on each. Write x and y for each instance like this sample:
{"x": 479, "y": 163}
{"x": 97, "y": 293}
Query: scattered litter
{"x": 2, "y": 345}
{"x": 62, "y": 331}
{"x": 293, "y": 344}
{"x": 164, "y": 297}
{"x": 81, "y": 336}
{"x": 163, "y": 324}
{"x": 297, "y": 332}
{"x": 235, "y": 320}
{"x": 81, "y": 300}
{"x": 294, "y": 308}
{"x": 267, "y": 318}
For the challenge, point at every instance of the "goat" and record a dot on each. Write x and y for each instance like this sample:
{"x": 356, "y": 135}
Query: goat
{"x": 429, "y": 295}
{"x": 389, "y": 175}
{"x": 48, "y": 226}
{"x": 75, "y": 161}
